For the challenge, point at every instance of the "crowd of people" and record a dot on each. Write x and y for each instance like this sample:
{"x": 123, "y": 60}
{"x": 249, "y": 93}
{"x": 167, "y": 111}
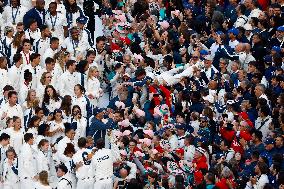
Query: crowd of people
{"x": 151, "y": 94}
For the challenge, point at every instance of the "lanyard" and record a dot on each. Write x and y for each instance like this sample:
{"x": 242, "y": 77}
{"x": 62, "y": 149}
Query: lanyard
{"x": 75, "y": 46}
{"x": 53, "y": 23}
{"x": 69, "y": 18}
{"x": 27, "y": 57}
{"x": 14, "y": 16}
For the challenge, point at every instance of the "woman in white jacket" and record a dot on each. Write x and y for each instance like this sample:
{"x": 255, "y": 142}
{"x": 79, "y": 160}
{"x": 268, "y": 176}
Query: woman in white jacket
{"x": 94, "y": 91}
{"x": 78, "y": 122}
{"x": 10, "y": 170}
{"x": 57, "y": 127}
{"x": 42, "y": 157}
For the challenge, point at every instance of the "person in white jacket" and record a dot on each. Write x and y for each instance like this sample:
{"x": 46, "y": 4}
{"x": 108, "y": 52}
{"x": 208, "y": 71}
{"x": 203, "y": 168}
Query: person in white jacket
{"x": 56, "y": 126}
{"x": 43, "y": 161}
{"x": 173, "y": 140}
{"x": 11, "y": 108}
{"x": 263, "y": 122}
{"x": 80, "y": 122}
{"x": 14, "y": 73}
{"x": 189, "y": 148}
{"x": 102, "y": 165}
{"x": 35, "y": 69}
{"x": 261, "y": 178}
{"x": 94, "y": 91}
{"x": 70, "y": 133}
{"x": 10, "y": 176}
{"x": 82, "y": 160}
{"x": 3, "y": 74}
{"x": 14, "y": 13}
{"x": 68, "y": 79}
{"x": 4, "y": 142}
{"x": 64, "y": 178}
{"x": 27, "y": 163}
{"x": 16, "y": 135}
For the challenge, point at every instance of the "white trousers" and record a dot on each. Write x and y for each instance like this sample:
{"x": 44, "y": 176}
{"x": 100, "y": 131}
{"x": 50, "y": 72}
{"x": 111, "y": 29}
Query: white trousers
{"x": 11, "y": 185}
{"x": 27, "y": 183}
{"x": 104, "y": 184}
{"x": 85, "y": 184}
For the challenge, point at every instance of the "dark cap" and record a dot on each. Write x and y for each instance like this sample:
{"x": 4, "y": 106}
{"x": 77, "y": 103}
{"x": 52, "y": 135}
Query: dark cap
{"x": 82, "y": 20}
{"x": 269, "y": 141}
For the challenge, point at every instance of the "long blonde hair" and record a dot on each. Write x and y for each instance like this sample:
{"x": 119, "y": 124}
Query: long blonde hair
{"x": 91, "y": 70}
{"x": 30, "y": 103}
{"x": 60, "y": 57}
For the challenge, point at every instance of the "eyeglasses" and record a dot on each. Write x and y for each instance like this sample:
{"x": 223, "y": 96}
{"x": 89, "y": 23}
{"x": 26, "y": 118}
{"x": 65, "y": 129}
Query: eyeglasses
{"x": 195, "y": 57}
{"x": 48, "y": 77}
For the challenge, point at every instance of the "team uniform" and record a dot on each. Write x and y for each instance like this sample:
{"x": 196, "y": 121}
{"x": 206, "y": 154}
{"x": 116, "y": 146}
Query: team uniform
{"x": 36, "y": 74}
{"x": 14, "y": 15}
{"x": 4, "y": 79}
{"x": 27, "y": 166}
{"x": 67, "y": 83}
{"x": 10, "y": 174}
{"x": 75, "y": 47}
{"x": 94, "y": 88}
{"x": 14, "y": 74}
{"x": 56, "y": 24}
{"x": 85, "y": 181}
{"x": 102, "y": 167}
{"x": 64, "y": 182}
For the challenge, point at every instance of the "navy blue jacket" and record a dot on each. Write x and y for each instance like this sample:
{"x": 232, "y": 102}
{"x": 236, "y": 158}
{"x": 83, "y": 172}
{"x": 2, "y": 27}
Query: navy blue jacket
{"x": 33, "y": 14}
{"x": 97, "y": 128}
